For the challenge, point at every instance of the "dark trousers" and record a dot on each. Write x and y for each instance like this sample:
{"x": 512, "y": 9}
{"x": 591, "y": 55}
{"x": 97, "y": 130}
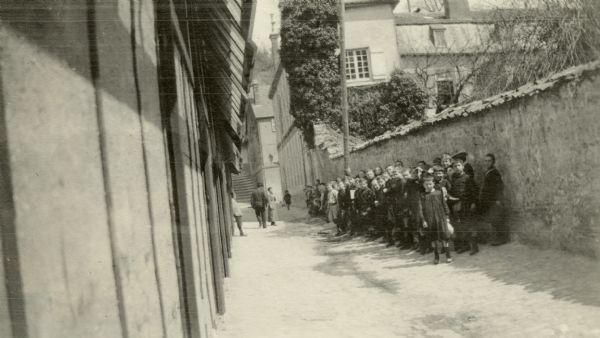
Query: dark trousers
{"x": 496, "y": 216}
{"x": 260, "y": 216}
{"x": 465, "y": 229}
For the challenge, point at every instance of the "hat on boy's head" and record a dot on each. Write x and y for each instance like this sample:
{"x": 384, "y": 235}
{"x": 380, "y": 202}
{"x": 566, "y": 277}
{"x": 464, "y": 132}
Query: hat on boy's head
{"x": 437, "y": 169}
{"x": 458, "y": 160}
{"x": 427, "y": 177}
{"x": 460, "y": 156}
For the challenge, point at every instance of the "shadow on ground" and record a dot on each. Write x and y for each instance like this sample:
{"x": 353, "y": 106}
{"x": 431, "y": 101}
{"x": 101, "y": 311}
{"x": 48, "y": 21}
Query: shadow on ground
{"x": 563, "y": 275}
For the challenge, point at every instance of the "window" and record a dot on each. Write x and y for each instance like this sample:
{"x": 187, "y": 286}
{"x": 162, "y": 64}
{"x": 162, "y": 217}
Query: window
{"x": 357, "y": 64}
{"x": 273, "y": 125}
{"x": 445, "y": 92}
{"x": 438, "y": 36}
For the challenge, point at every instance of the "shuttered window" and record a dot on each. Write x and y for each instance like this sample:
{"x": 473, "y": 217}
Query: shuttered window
{"x": 357, "y": 64}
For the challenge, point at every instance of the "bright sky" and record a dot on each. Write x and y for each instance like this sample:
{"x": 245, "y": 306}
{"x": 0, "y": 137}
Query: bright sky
{"x": 264, "y": 9}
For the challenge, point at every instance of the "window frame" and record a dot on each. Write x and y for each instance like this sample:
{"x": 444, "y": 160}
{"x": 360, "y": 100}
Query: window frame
{"x": 436, "y": 41}
{"x": 437, "y": 91}
{"x": 355, "y": 65}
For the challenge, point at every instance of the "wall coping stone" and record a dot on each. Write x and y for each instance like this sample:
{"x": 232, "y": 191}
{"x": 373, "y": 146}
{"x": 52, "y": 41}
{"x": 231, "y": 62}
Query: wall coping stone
{"x": 568, "y": 75}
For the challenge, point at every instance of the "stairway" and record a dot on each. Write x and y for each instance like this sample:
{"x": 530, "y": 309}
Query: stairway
{"x": 243, "y": 186}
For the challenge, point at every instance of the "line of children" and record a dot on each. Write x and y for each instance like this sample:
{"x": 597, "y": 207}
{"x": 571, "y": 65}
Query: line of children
{"x": 423, "y": 208}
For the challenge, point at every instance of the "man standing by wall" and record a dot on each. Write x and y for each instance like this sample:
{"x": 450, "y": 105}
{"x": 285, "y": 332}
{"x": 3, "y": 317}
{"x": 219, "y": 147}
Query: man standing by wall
{"x": 490, "y": 201}
{"x": 258, "y": 201}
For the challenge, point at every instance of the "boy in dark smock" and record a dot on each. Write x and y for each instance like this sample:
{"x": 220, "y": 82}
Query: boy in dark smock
{"x": 434, "y": 213}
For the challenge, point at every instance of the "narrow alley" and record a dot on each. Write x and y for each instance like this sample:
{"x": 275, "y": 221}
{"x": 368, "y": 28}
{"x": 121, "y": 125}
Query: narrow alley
{"x": 296, "y": 280}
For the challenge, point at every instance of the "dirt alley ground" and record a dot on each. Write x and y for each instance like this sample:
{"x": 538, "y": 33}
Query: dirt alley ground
{"x": 292, "y": 281}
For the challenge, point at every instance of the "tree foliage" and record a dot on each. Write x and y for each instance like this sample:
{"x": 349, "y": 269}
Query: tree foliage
{"x": 376, "y": 109}
{"x": 549, "y": 37}
{"x": 309, "y": 40}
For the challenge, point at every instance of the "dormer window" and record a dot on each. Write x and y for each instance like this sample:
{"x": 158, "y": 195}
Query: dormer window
{"x": 438, "y": 36}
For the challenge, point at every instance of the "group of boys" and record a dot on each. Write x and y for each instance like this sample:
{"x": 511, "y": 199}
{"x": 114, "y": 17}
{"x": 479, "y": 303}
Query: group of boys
{"x": 389, "y": 203}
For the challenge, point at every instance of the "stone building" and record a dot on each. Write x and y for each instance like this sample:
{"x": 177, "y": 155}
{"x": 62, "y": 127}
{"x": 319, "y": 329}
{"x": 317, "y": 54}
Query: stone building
{"x": 261, "y": 158}
{"x": 296, "y": 160}
{"x": 439, "y": 48}
{"x": 120, "y": 127}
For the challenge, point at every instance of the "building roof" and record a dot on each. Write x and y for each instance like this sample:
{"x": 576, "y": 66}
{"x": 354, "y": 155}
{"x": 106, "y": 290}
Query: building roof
{"x": 460, "y": 39}
{"x": 572, "y": 74}
{"x": 425, "y": 17}
{"x": 353, "y": 3}
{"x": 332, "y": 141}
{"x": 264, "y": 108}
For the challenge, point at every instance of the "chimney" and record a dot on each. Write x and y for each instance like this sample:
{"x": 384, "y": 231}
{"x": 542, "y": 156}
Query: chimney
{"x": 255, "y": 92}
{"x": 274, "y": 43}
{"x": 457, "y": 9}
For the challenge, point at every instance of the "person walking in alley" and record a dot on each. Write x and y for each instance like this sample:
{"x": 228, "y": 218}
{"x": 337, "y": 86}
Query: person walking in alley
{"x": 433, "y": 211}
{"x": 287, "y": 198}
{"x": 489, "y": 204}
{"x": 271, "y": 206}
{"x": 259, "y": 201}
{"x": 237, "y": 214}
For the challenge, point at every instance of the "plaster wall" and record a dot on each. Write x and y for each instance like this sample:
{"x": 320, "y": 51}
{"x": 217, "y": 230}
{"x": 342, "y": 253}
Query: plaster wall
{"x": 547, "y": 150}
{"x": 373, "y": 27}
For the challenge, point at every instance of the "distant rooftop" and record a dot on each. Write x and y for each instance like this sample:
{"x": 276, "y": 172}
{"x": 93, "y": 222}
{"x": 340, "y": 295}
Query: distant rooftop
{"x": 264, "y": 108}
{"x": 424, "y": 17}
{"x": 352, "y": 3}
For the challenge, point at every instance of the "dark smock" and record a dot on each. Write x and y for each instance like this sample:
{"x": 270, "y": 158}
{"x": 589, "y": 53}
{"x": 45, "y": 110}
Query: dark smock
{"x": 434, "y": 211}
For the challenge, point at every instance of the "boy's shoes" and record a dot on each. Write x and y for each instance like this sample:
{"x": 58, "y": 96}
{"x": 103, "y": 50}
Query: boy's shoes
{"x": 498, "y": 243}
{"x": 389, "y": 245}
{"x": 436, "y": 261}
{"x": 242, "y": 235}
{"x": 474, "y": 247}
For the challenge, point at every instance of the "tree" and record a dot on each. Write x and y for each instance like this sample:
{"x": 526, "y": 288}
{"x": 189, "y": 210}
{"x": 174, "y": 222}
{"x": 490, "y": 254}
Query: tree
{"x": 509, "y": 48}
{"x": 309, "y": 40}
{"x": 458, "y": 61}
{"x": 547, "y": 38}
{"x": 382, "y": 107}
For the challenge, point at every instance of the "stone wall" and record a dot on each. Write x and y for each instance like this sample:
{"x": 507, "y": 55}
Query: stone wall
{"x": 546, "y": 139}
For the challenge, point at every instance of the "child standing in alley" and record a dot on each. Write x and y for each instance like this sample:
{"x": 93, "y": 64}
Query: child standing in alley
{"x": 379, "y": 210}
{"x": 237, "y": 214}
{"x": 434, "y": 213}
{"x": 287, "y": 198}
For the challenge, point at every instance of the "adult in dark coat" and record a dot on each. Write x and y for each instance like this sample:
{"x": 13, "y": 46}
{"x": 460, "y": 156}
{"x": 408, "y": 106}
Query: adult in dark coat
{"x": 259, "y": 201}
{"x": 489, "y": 203}
{"x": 344, "y": 203}
{"x": 462, "y": 202}
{"x": 394, "y": 190}
{"x": 364, "y": 204}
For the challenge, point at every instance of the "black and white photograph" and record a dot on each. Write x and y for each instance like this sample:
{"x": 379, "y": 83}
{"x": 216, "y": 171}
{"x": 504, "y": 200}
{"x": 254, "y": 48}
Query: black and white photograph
{"x": 299, "y": 168}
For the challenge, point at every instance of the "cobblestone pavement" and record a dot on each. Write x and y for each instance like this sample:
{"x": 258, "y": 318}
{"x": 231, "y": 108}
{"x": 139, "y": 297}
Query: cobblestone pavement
{"x": 294, "y": 281}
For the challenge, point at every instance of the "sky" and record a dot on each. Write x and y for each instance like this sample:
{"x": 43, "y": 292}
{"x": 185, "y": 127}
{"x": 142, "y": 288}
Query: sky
{"x": 264, "y": 9}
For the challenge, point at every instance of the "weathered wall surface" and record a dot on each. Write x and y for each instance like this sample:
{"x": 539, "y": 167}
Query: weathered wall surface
{"x": 547, "y": 147}
{"x": 88, "y": 172}
{"x": 294, "y": 160}
{"x": 373, "y": 27}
